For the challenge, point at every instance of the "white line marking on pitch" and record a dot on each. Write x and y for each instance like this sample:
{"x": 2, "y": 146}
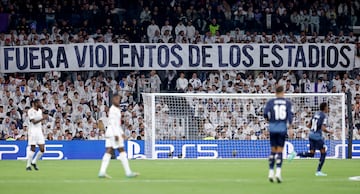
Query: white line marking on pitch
{"x": 354, "y": 178}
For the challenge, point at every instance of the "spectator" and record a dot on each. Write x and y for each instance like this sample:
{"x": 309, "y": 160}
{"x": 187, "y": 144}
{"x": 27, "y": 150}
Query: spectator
{"x": 180, "y": 27}
{"x": 195, "y": 81}
{"x": 181, "y": 83}
{"x": 213, "y": 27}
{"x": 145, "y": 16}
{"x": 190, "y": 31}
{"x": 314, "y": 23}
{"x": 166, "y": 27}
{"x": 152, "y": 31}
{"x": 155, "y": 82}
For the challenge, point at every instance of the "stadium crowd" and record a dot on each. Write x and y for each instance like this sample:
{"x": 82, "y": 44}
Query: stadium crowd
{"x": 78, "y": 102}
{"x": 177, "y": 21}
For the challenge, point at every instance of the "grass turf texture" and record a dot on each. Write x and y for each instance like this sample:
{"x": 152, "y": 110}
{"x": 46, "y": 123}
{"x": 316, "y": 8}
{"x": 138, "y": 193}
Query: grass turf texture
{"x": 178, "y": 177}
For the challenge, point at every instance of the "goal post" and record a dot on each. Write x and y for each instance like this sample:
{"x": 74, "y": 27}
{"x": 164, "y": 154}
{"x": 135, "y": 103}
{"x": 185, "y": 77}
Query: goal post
{"x": 203, "y": 125}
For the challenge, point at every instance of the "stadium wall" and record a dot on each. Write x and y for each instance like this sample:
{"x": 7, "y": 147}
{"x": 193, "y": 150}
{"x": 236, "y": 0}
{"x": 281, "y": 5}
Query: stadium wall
{"x": 202, "y": 149}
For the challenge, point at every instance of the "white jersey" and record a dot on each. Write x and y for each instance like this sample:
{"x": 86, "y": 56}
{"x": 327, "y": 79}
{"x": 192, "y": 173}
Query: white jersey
{"x": 35, "y": 115}
{"x": 114, "y": 122}
{"x": 36, "y": 136}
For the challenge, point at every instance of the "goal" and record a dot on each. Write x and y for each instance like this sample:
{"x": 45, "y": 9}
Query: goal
{"x": 203, "y": 125}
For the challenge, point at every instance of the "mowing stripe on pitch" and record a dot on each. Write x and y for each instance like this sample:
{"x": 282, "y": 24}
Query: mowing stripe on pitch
{"x": 76, "y": 181}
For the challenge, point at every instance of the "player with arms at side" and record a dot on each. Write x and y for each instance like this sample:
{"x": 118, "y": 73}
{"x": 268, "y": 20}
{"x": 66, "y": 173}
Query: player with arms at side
{"x": 35, "y": 134}
{"x": 278, "y": 112}
{"x": 317, "y": 125}
{"x": 114, "y": 139}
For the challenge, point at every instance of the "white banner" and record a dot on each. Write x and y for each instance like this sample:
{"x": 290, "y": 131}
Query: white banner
{"x": 84, "y": 57}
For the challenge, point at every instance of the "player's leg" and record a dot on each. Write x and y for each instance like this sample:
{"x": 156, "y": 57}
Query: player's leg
{"x": 311, "y": 152}
{"x": 109, "y": 148}
{"x": 123, "y": 157}
{"x": 105, "y": 162}
{"x": 322, "y": 158}
{"x": 272, "y": 157}
{"x": 30, "y": 155}
{"x": 279, "y": 155}
{"x": 125, "y": 163}
{"x": 38, "y": 156}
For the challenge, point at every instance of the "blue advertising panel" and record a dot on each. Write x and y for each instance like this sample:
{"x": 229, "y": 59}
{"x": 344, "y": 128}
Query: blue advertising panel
{"x": 201, "y": 149}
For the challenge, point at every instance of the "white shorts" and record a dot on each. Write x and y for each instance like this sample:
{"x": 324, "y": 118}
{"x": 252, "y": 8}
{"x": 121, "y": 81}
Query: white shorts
{"x": 111, "y": 143}
{"x": 36, "y": 139}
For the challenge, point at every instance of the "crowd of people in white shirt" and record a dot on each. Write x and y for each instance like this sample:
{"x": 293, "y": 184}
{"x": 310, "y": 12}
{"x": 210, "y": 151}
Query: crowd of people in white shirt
{"x": 78, "y": 107}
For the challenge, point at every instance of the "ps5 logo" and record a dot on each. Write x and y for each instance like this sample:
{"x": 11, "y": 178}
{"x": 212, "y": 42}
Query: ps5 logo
{"x": 199, "y": 151}
{"x": 52, "y": 152}
{"x": 134, "y": 150}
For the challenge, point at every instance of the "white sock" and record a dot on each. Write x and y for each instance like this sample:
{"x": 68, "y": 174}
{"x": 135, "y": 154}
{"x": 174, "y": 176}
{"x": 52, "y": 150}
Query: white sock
{"x": 271, "y": 173}
{"x": 105, "y": 163}
{"x": 37, "y": 157}
{"x": 30, "y": 156}
{"x": 278, "y": 172}
{"x": 125, "y": 162}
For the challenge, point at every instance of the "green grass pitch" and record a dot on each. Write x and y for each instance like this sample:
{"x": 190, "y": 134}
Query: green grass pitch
{"x": 179, "y": 177}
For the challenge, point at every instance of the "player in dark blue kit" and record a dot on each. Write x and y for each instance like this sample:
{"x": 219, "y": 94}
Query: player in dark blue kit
{"x": 317, "y": 125}
{"x": 278, "y": 112}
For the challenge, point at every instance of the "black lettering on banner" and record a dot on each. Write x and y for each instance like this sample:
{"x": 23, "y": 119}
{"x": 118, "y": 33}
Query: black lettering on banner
{"x": 277, "y": 55}
{"x": 193, "y": 48}
{"x": 136, "y": 56}
{"x": 8, "y": 58}
{"x": 163, "y": 49}
{"x": 329, "y": 55}
{"x": 300, "y": 57}
{"x": 81, "y": 58}
{"x": 46, "y": 56}
{"x": 150, "y": 48}
{"x": 245, "y": 52}
{"x": 220, "y": 57}
{"x": 289, "y": 48}
{"x": 61, "y": 58}
{"x": 91, "y": 54}
{"x": 323, "y": 56}
{"x": 100, "y": 58}
{"x": 235, "y": 53}
{"x": 205, "y": 55}
{"x": 111, "y": 64}
{"x": 263, "y": 56}
{"x": 345, "y": 56}
{"x": 17, "y": 57}
{"x": 314, "y": 49}
{"x": 33, "y": 57}
{"x": 176, "y": 55}
{"x": 123, "y": 55}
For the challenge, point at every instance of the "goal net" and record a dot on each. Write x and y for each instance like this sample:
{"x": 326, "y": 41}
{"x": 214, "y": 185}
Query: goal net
{"x": 199, "y": 125}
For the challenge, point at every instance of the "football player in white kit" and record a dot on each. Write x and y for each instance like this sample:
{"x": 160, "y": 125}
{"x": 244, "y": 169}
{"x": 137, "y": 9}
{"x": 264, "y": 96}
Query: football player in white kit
{"x": 114, "y": 139}
{"x": 35, "y": 134}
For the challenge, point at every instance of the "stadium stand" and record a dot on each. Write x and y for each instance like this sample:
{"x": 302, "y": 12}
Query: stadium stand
{"x": 78, "y": 101}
